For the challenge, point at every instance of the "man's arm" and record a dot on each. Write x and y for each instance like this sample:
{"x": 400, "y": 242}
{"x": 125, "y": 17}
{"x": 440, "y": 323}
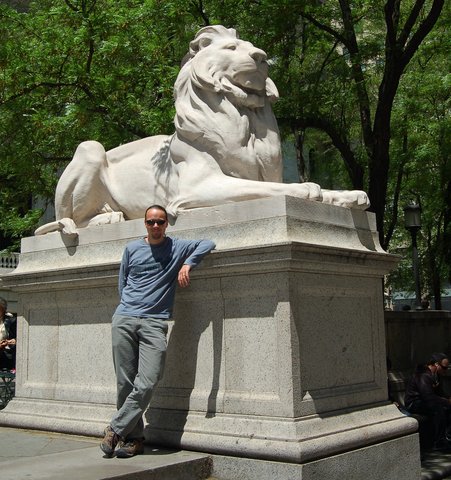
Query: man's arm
{"x": 123, "y": 271}
{"x": 201, "y": 248}
{"x": 428, "y": 394}
{"x": 183, "y": 277}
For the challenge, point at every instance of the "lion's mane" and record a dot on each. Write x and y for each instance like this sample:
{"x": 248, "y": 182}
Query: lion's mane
{"x": 232, "y": 123}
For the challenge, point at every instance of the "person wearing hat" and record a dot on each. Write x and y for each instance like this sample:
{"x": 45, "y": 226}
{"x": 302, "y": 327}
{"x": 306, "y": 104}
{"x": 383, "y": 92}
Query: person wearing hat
{"x": 424, "y": 397}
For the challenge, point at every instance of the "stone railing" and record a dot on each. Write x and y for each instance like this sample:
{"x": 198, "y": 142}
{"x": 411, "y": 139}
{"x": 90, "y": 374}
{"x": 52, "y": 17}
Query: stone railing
{"x": 9, "y": 261}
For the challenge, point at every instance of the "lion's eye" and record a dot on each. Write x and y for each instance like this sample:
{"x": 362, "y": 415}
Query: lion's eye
{"x": 230, "y": 46}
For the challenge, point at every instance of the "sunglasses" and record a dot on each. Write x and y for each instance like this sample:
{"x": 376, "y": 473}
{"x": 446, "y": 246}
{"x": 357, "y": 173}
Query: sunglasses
{"x": 445, "y": 367}
{"x": 158, "y": 221}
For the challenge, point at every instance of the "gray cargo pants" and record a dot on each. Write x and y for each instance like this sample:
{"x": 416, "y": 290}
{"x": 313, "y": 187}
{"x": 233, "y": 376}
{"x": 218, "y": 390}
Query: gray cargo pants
{"x": 139, "y": 350}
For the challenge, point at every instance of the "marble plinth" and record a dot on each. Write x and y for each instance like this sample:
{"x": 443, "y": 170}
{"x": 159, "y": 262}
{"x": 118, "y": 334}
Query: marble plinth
{"x": 276, "y": 351}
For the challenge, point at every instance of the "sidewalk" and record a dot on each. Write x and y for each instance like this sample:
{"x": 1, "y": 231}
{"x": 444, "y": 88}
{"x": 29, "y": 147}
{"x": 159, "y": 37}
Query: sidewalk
{"x": 436, "y": 466}
{"x": 36, "y": 455}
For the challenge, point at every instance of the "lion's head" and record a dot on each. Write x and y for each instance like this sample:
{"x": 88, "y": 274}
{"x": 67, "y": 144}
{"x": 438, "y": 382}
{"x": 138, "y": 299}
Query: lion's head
{"x": 223, "y": 99}
{"x": 220, "y": 61}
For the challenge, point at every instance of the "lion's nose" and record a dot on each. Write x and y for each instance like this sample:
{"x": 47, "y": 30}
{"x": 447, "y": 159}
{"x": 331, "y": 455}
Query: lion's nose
{"x": 258, "y": 55}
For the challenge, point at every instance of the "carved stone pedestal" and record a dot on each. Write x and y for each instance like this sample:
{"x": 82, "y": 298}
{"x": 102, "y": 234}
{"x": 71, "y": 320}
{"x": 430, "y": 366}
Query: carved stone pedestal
{"x": 276, "y": 358}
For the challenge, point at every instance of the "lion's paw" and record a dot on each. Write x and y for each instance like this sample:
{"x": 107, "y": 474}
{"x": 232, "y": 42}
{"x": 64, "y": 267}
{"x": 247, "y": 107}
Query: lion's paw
{"x": 308, "y": 190}
{"x": 347, "y": 198}
{"x": 68, "y": 227}
{"x": 106, "y": 218}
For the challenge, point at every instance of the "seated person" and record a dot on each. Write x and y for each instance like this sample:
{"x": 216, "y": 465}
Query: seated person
{"x": 424, "y": 397}
{"x": 8, "y": 328}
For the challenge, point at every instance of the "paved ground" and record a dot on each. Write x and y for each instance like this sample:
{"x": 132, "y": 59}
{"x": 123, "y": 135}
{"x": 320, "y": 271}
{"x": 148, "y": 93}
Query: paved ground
{"x": 436, "y": 466}
{"x": 35, "y": 455}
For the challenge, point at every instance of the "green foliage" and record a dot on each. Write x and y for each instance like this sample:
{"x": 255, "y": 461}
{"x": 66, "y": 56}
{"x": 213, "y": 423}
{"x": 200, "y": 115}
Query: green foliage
{"x": 14, "y": 223}
{"x": 75, "y": 70}
{"x": 72, "y": 70}
{"x": 421, "y": 152}
{"x": 333, "y": 98}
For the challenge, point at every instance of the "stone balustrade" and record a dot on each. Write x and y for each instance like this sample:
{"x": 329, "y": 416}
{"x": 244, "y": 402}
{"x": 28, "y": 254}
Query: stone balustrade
{"x": 9, "y": 261}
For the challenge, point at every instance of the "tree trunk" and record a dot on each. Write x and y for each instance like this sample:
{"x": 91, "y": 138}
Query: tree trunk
{"x": 436, "y": 289}
{"x": 300, "y": 160}
{"x": 379, "y": 161}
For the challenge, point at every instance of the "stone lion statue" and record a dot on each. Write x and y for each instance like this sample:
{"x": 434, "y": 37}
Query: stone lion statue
{"x": 225, "y": 148}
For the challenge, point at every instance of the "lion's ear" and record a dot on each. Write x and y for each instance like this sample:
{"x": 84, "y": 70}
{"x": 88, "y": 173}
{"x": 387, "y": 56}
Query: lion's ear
{"x": 199, "y": 43}
{"x": 205, "y": 36}
{"x": 202, "y": 40}
{"x": 271, "y": 90}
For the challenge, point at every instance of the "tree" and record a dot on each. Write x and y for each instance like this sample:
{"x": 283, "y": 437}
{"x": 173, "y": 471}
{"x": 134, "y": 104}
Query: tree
{"x": 358, "y": 71}
{"x": 75, "y": 70}
{"x": 333, "y": 58}
{"x": 349, "y": 74}
{"x": 421, "y": 150}
{"x": 405, "y": 29}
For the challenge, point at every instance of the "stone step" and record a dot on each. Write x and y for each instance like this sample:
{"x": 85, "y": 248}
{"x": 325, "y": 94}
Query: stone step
{"x": 88, "y": 464}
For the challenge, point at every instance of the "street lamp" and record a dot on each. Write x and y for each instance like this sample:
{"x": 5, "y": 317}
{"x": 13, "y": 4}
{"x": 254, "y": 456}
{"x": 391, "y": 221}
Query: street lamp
{"x": 412, "y": 222}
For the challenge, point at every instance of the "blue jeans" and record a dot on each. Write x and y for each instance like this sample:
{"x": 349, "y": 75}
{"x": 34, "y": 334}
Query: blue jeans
{"x": 139, "y": 351}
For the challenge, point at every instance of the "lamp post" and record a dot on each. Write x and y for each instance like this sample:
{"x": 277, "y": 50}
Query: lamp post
{"x": 412, "y": 222}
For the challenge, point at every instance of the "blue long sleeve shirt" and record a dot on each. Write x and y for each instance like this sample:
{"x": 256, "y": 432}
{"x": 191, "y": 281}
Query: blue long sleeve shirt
{"x": 148, "y": 274}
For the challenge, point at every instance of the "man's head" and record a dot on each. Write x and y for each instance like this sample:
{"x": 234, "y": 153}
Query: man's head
{"x": 438, "y": 363}
{"x": 156, "y": 207}
{"x": 156, "y": 222}
{"x": 3, "y": 307}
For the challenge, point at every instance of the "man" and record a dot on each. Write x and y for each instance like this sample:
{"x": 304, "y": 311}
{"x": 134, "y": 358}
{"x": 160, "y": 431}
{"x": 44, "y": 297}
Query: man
{"x": 8, "y": 328}
{"x": 149, "y": 270}
{"x": 424, "y": 397}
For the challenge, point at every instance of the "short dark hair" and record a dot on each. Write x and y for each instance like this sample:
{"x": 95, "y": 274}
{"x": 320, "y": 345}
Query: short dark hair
{"x": 158, "y": 207}
{"x": 3, "y": 303}
{"x": 437, "y": 358}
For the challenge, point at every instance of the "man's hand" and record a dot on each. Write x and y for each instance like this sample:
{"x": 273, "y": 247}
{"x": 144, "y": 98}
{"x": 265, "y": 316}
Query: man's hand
{"x": 183, "y": 277}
